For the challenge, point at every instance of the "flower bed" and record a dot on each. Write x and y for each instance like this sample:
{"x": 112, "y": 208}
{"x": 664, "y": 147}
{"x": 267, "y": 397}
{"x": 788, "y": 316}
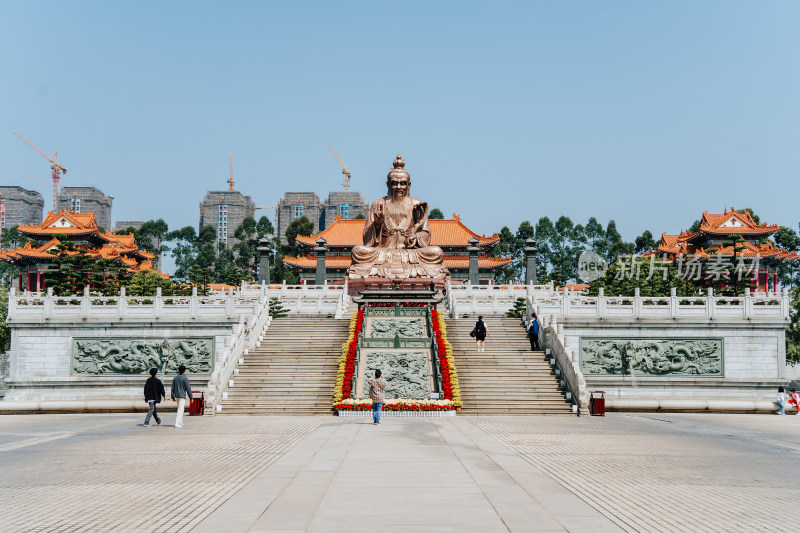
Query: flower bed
{"x": 344, "y": 379}
{"x": 399, "y": 404}
{"x": 398, "y": 304}
{"x": 347, "y": 361}
{"x": 447, "y": 364}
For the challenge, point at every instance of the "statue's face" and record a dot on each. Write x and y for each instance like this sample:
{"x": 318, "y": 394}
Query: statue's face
{"x": 398, "y": 186}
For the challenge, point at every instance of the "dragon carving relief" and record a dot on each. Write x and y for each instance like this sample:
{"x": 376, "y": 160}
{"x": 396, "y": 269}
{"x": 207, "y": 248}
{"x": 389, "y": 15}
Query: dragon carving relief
{"x": 655, "y": 357}
{"x": 138, "y": 356}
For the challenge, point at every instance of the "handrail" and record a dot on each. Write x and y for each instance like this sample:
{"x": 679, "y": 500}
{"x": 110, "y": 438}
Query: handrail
{"x": 566, "y": 362}
{"x": 435, "y": 348}
{"x": 357, "y": 363}
{"x": 245, "y": 336}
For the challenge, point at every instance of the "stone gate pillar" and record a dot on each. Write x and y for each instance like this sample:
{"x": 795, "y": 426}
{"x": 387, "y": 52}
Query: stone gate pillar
{"x": 264, "y": 252}
{"x": 530, "y": 261}
{"x": 474, "y": 250}
{"x": 320, "y": 250}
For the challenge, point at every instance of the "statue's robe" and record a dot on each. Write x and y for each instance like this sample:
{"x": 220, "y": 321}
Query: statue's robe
{"x": 397, "y": 240}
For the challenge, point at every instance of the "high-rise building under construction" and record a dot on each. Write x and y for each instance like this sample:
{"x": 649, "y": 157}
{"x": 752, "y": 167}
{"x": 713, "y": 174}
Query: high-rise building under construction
{"x": 20, "y": 207}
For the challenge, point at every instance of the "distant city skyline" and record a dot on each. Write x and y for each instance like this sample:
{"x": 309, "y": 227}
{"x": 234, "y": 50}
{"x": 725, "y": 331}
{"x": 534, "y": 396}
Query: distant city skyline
{"x": 645, "y": 113}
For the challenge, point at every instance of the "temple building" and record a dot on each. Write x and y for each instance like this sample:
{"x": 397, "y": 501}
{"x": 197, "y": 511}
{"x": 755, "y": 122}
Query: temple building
{"x": 716, "y": 235}
{"x": 451, "y": 235}
{"x": 81, "y": 230}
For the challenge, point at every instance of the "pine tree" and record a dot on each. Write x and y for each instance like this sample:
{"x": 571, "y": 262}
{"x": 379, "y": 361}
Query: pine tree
{"x": 519, "y": 309}
{"x": 276, "y": 310}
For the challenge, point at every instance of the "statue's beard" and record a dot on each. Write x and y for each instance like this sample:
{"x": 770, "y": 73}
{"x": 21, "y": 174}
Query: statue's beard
{"x": 399, "y": 195}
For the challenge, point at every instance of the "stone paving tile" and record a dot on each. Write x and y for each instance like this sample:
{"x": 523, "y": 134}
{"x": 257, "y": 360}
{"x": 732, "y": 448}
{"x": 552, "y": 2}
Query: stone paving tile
{"x": 669, "y": 473}
{"x": 104, "y": 473}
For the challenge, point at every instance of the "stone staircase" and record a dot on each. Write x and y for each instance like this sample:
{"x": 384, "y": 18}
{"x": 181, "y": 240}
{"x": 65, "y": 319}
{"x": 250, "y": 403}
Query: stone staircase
{"x": 293, "y": 372}
{"x": 508, "y": 378}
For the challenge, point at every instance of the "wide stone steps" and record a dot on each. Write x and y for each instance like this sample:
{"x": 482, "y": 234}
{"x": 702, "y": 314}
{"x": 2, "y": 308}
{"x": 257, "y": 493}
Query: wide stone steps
{"x": 294, "y": 370}
{"x": 508, "y": 378}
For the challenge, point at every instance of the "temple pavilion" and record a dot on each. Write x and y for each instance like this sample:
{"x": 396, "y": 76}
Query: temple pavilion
{"x": 451, "y": 235}
{"x": 80, "y": 229}
{"x": 715, "y": 236}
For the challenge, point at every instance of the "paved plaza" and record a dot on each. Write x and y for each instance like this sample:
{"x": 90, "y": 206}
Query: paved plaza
{"x": 624, "y": 472}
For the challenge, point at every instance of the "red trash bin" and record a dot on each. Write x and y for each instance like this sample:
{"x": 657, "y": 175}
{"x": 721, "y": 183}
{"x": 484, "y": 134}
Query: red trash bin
{"x": 197, "y": 405}
{"x": 597, "y": 404}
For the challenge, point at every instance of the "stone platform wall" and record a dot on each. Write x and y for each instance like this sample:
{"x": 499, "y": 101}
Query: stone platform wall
{"x": 95, "y": 352}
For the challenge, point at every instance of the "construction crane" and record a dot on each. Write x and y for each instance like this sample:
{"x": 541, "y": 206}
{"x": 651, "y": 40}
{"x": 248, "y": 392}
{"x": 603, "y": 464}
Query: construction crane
{"x": 57, "y": 169}
{"x": 230, "y": 180}
{"x": 344, "y": 170}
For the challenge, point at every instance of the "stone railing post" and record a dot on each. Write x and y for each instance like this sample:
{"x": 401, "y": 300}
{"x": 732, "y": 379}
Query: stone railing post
{"x": 12, "y": 302}
{"x": 673, "y": 302}
{"x": 85, "y": 303}
{"x": 158, "y": 304}
{"x": 194, "y": 303}
{"x": 747, "y": 306}
{"x": 229, "y": 303}
{"x": 121, "y": 303}
{"x": 48, "y": 303}
{"x": 283, "y": 288}
{"x": 601, "y": 302}
{"x": 711, "y": 304}
{"x": 637, "y": 303}
{"x": 565, "y": 302}
{"x": 786, "y": 304}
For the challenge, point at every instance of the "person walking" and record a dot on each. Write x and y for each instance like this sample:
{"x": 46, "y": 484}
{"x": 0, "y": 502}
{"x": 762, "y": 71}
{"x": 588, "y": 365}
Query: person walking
{"x": 153, "y": 393}
{"x": 481, "y": 331}
{"x": 181, "y": 390}
{"x": 533, "y": 332}
{"x": 781, "y": 401}
{"x": 377, "y": 387}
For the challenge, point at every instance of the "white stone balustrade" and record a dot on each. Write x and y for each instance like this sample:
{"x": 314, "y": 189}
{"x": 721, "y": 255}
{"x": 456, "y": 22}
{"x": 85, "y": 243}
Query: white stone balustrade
{"x": 245, "y": 336}
{"x": 305, "y": 299}
{"x": 766, "y": 307}
{"x": 38, "y": 307}
{"x": 489, "y": 299}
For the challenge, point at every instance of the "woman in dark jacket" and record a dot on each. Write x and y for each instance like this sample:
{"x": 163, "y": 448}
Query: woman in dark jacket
{"x": 481, "y": 331}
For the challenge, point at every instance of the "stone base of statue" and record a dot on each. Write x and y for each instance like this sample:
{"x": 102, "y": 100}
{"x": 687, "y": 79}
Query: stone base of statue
{"x": 356, "y": 286}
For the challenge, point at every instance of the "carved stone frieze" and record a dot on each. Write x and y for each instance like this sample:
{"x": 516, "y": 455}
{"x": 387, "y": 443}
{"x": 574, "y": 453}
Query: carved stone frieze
{"x": 407, "y": 373}
{"x": 387, "y": 327}
{"x": 125, "y": 355}
{"x": 652, "y": 356}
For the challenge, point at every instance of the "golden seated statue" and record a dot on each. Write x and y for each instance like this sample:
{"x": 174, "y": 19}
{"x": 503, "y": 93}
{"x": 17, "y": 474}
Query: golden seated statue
{"x": 397, "y": 236}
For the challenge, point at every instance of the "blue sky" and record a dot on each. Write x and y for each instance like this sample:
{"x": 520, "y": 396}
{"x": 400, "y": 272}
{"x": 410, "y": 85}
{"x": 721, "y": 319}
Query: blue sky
{"x": 644, "y": 112}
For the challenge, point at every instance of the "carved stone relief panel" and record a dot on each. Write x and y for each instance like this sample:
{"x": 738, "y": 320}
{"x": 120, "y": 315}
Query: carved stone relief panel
{"x": 652, "y": 356}
{"x": 407, "y": 373}
{"x": 126, "y": 355}
{"x": 403, "y": 327}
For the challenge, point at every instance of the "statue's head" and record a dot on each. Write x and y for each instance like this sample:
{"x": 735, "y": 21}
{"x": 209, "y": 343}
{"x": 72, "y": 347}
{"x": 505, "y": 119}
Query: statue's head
{"x": 398, "y": 181}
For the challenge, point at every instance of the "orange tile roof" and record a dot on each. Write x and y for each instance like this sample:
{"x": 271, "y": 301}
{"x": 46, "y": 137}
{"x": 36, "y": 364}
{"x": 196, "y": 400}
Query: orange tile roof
{"x": 575, "y": 287}
{"x": 344, "y": 261}
{"x": 446, "y": 232}
{"x": 116, "y": 247}
{"x": 720, "y": 224}
{"x": 63, "y": 222}
{"x": 222, "y": 287}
